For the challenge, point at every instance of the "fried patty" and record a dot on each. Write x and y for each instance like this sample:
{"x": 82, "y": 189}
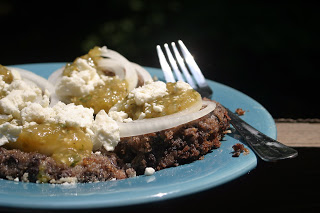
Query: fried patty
{"x": 176, "y": 146}
{"x": 35, "y": 167}
{"x": 172, "y": 147}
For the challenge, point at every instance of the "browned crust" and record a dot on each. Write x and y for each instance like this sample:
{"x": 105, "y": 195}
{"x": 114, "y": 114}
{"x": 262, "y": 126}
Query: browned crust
{"x": 175, "y": 146}
{"x": 97, "y": 167}
{"x": 14, "y": 163}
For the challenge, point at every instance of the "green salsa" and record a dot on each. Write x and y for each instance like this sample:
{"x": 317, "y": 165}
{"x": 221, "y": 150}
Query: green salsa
{"x": 103, "y": 96}
{"x": 92, "y": 58}
{"x": 6, "y": 74}
{"x": 66, "y": 145}
{"x": 175, "y": 101}
{"x": 6, "y": 77}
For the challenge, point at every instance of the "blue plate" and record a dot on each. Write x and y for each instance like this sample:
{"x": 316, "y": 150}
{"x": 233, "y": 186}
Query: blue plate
{"x": 217, "y": 167}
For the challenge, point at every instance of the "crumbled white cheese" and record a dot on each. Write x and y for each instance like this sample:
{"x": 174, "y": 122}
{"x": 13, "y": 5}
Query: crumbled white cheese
{"x": 73, "y": 115}
{"x": 34, "y": 112}
{"x": 65, "y": 180}
{"x": 182, "y": 86}
{"x": 15, "y": 74}
{"x": 80, "y": 82}
{"x": 19, "y": 93}
{"x": 9, "y": 132}
{"x": 157, "y": 108}
{"x": 67, "y": 114}
{"x": 148, "y": 93}
{"x": 5, "y": 117}
{"x": 3, "y": 84}
{"x": 142, "y": 116}
{"x": 23, "y": 85}
{"x": 106, "y": 132}
{"x": 147, "y": 108}
{"x": 116, "y": 115}
{"x": 15, "y": 101}
{"x": 119, "y": 116}
{"x": 149, "y": 171}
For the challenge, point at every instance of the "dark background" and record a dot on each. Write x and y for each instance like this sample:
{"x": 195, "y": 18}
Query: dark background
{"x": 266, "y": 50}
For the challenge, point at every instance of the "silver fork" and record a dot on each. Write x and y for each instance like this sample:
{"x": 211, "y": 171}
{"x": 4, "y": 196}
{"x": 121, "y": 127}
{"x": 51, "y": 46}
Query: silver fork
{"x": 265, "y": 147}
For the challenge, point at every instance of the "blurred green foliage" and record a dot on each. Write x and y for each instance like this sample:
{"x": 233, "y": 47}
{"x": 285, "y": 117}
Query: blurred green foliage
{"x": 135, "y": 26}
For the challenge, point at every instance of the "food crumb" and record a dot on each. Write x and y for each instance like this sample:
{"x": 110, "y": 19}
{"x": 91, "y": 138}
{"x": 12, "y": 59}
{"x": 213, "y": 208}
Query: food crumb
{"x": 25, "y": 177}
{"x": 149, "y": 171}
{"x": 227, "y": 131}
{"x": 131, "y": 172}
{"x": 240, "y": 111}
{"x": 238, "y": 149}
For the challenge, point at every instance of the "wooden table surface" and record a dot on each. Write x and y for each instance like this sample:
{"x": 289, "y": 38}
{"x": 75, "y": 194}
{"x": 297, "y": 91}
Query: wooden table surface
{"x": 299, "y": 134}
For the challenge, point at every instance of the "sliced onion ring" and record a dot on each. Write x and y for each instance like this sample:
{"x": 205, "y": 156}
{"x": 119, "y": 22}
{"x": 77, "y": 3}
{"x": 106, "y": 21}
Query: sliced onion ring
{"x": 56, "y": 76}
{"x": 35, "y": 79}
{"x": 142, "y": 72}
{"x": 127, "y": 70}
{"x": 145, "y": 126}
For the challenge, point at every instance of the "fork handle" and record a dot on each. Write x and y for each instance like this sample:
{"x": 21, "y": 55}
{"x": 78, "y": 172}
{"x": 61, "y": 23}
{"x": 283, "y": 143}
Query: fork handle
{"x": 265, "y": 147}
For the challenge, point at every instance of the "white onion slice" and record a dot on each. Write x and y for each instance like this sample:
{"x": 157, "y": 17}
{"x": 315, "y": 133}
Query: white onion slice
{"x": 56, "y": 76}
{"x": 145, "y": 126}
{"x": 142, "y": 72}
{"x": 128, "y": 70}
{"x": 54, "y": 79}
{"x": 114, "y": 66}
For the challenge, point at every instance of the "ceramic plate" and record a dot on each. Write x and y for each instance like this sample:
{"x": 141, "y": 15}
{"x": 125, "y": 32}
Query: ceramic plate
{"x": 217, "y": 167}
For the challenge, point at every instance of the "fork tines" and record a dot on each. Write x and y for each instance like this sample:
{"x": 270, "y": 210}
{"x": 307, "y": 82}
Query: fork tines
{"x": 187, "y": 58}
